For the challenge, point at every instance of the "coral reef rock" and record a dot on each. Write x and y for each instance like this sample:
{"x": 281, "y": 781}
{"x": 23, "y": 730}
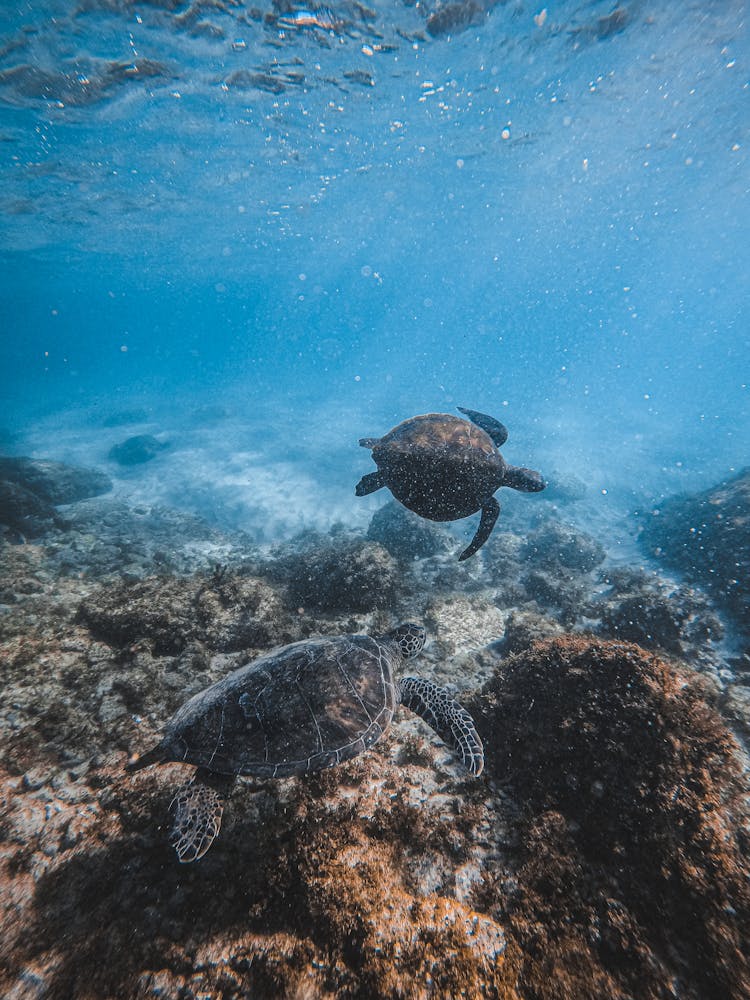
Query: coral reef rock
{"x": 555, "y": 545}
{"x": 559, "y": 591}
{"x": 223, "y": 610}
{"x": 462, "y": 624}
{"x": 639, "y": 608}
{"x": 522, "y": 628}
{"x": 707, "y": 537}
{"x": 24, "y": 513}
{"x": 137, "y": 450}
{"x": 338, "y": 574}
{"x": 406, "y": 535}
{"x": 549, "y": 563}
{"x": 107, "y": 537}
{"x": 54, "y": 482}
{"x": 632, "y": 875}
{"x": 558, "y": 561}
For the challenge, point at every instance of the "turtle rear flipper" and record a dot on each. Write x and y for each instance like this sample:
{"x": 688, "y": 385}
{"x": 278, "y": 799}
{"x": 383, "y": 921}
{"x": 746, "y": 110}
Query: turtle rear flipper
{"x": 497, "y": 431}
{"x": 451, "y": 722}
{"x": 369, "y": 483}
{"x": 525, "y": 480}
{"x": 197, "y": 809}
{"x": 490, "y": 512}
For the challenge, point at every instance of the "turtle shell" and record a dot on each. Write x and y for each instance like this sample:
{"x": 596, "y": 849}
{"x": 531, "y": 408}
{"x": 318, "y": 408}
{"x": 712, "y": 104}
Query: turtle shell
{"x": 440, "y": 466}
{"x": 298, "y": 709}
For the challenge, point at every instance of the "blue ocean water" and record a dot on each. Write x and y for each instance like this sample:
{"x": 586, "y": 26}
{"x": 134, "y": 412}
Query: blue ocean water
{"x": 264, "y": 239}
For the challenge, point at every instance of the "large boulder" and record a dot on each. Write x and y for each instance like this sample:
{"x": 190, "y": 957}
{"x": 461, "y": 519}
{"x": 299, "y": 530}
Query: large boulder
{"x": 406, "y": 535}
{"x": 633, "y": 871}
{"x": 337, "y": 574}
{"x": 707, "y": 537}
{"x": 54, "y": 482}
{"x": 137, "y": 449}
{"x": 639, "y": 608}
{"x": 24, "y": 512}
{"x": 222, "y": 610}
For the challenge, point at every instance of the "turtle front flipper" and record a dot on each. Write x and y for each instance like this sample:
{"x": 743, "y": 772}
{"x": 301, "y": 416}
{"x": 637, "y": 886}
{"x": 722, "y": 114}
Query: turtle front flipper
{"x": 497, "y": 431}
{"x": 525, "y": 480}
{"x": 451, "y": 722}
{"x": 197, "y": 809}
{"x": 490, "y": 512}
{"x": 369, "y": 483}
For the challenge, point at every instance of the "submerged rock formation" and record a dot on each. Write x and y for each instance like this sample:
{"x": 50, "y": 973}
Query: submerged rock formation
{"x": 406, "y": 535}
{"x": 707, "y": 537}
{"x": 137, "y": 450}
{"x": 639, "y": 608}
{"x": 337, "y": 574}
{"x": 222, "y": 610}
{"x": 30, "y": 488}
{"x": 313, "y": 894}
{"x": 24, "y": 514}
{"x": 55, "y": 482}
{"x": 632, "y": 872}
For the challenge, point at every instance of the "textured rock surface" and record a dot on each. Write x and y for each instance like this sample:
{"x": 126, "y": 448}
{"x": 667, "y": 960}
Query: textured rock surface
{"x": 24, "y": 514}
{"x": 316, "y": 891}
{"x": 707, "y": 537}
{"x": 406, "y": 535}
{"x": 555, "y": 545}
{"x": 108, "y": 538}
{"x": 222, "y": 610}
{"x": 55, "y": 482}
{"x": 522, "y": 628}
{"x": 137, "y": 450}
{"x": 338, "y": 575}
{"x": 679, "y": 620}
{"x": 632, "y": 874}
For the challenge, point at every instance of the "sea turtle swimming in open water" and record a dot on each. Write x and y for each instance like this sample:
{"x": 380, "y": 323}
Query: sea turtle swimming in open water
{"x": 295, "y": 710}
{"x": 443, "y": 468}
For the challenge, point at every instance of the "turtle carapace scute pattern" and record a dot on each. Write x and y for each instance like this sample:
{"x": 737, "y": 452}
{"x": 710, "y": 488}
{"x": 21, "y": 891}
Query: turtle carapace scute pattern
{"x": 293, "y": 711}
{"x": 444, "y": 468}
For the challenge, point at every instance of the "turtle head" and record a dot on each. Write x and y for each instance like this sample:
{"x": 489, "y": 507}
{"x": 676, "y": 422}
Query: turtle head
{"x": 409, "y": 638}
{"x": 525, "y": 480}
{"x": 168, "y": 749}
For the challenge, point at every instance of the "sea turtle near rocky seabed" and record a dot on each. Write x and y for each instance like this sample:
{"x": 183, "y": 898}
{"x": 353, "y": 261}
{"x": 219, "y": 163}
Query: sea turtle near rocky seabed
{"x": 295, "y": 710}
{"x": 444, "y": 468}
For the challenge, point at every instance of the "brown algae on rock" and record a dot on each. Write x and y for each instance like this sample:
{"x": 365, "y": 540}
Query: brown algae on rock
{"x": 633, "y": 863}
